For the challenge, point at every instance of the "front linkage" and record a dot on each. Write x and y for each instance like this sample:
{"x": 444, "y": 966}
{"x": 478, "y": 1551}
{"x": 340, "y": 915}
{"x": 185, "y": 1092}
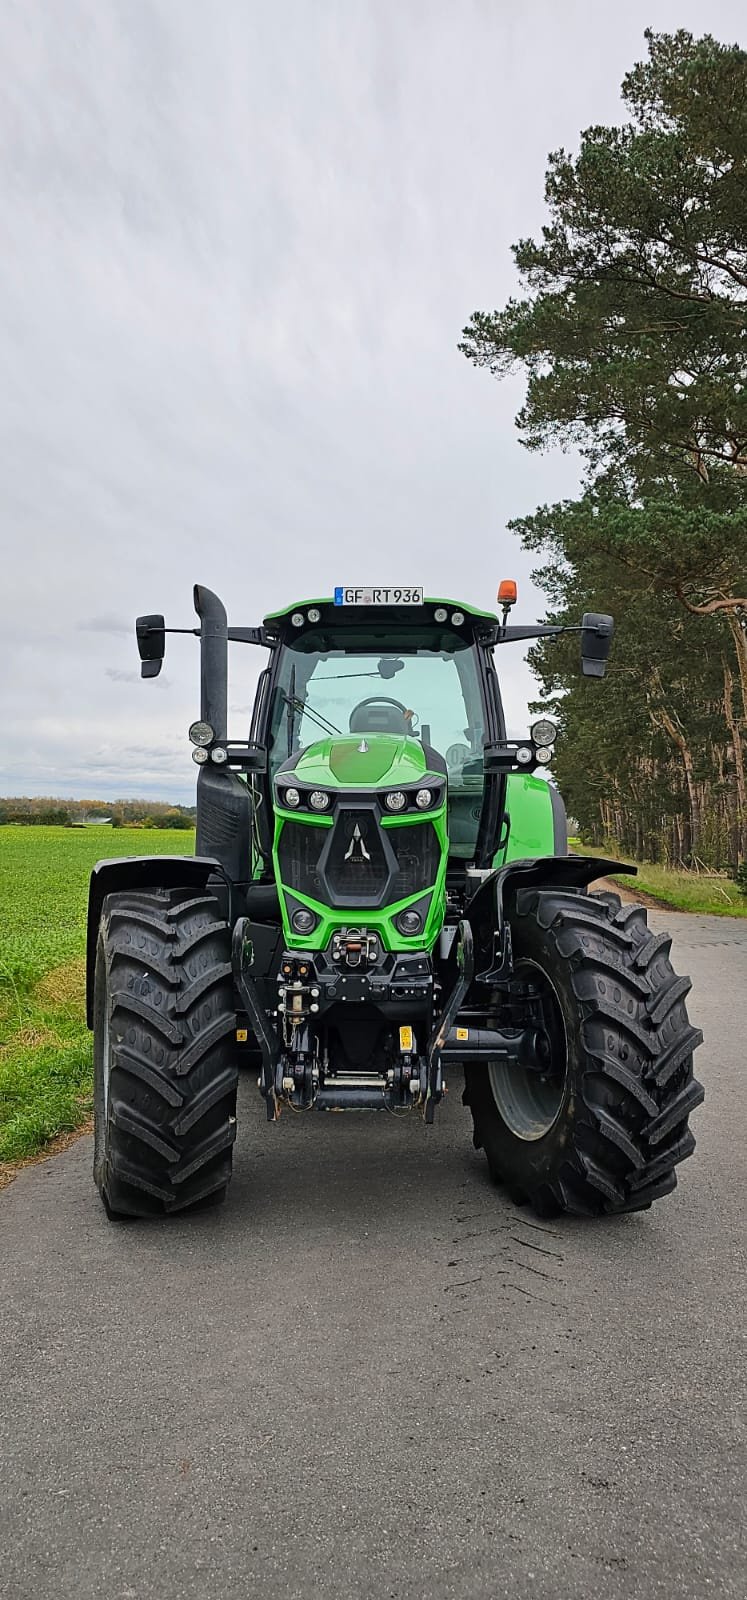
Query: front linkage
{"x": 450, "y": 1000}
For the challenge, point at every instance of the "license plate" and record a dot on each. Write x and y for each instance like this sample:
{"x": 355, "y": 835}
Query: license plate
{"x": 378, "y": 597}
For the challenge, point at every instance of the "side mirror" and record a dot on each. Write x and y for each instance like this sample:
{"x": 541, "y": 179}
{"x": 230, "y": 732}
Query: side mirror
{"x": 596, "y": 642}
{"x": 151, "y": 642}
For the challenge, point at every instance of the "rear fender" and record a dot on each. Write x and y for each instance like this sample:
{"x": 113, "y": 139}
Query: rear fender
{"x": 138, "y": 872}
{"x": 488, "y": 909}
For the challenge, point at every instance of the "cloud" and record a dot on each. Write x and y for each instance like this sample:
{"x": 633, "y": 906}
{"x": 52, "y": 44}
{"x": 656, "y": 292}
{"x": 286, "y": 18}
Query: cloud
{"x": 236, "y": 262}
{"x": 105, "y": 624}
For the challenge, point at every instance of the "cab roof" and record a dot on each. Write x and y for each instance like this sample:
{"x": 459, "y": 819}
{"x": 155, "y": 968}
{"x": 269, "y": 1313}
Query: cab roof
{"x": 362, "y": 619}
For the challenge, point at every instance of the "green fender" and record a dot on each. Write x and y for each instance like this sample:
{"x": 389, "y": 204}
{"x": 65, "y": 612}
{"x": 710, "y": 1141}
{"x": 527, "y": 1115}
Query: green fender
{"x": 537, "y": 823}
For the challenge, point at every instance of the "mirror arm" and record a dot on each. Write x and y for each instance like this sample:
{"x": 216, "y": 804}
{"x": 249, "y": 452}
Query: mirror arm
{"x": 507, "y": 635}
{"x": 238, "y": 635}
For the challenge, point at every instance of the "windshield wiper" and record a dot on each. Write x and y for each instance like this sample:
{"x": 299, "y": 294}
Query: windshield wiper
{"x": 302, "y": 706}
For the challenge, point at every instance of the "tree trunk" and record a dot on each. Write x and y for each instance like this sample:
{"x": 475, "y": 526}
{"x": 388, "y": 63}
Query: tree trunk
{"x": 739, "y": 635}
{"x": 678, "y": 738}
{"x": 737, "y": 755}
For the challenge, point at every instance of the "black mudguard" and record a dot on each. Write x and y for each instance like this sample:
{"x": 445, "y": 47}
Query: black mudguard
{"x": 138, "y": 872}
{"x": 487, "y": 908}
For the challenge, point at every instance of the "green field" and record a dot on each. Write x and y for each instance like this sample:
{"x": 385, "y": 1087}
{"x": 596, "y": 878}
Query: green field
{"x": 45, "y": 1048}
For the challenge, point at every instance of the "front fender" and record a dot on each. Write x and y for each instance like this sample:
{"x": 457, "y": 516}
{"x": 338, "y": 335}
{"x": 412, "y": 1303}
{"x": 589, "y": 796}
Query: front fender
{"x": 486, "y": 910}
{"x": 137, "y": 872}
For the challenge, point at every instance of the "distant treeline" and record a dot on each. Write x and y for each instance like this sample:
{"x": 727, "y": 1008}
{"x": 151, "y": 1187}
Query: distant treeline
{"x": 46, "y": 811}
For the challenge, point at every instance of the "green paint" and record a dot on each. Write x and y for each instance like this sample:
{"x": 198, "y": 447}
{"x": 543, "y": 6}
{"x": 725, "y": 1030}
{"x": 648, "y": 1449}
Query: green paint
{"x": 313, "y": 819}
{"x": 348, "y": 612}
{"x": 390, "y": 760}
{"x": 366, "y": 760}
{"x": 529, "y": 807}
{"x": 380, "y": 920}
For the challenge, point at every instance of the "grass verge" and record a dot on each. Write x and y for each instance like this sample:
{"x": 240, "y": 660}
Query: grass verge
{"x": 699, "y": 892}
{"x": 45, "y": 1047}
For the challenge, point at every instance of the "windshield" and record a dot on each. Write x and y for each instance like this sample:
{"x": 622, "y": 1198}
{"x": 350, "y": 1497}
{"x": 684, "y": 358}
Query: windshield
{"x": 433, "y": 696}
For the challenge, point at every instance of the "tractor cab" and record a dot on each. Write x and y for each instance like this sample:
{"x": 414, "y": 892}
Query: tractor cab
{"x": 390, "y": 690}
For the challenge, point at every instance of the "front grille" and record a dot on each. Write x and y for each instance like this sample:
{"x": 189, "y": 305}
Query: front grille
{"x": 417, "y": 850}
{"x": 356, "y": 862}
{"x": 298, "y": 853}
{"x": 357, "y": 867}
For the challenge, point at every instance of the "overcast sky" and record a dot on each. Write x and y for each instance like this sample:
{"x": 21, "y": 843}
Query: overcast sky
{"x": 238, "y": 244}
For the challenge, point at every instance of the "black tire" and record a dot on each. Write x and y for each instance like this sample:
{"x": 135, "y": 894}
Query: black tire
{"x": 165, "y": 1070}
{"x": 625, "y": 1086}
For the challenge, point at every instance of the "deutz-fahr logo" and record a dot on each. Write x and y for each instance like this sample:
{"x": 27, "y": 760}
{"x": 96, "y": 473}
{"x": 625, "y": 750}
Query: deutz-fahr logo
{"x": 356, "y": 850}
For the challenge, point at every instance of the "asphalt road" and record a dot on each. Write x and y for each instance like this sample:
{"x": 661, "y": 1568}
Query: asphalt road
{"x": 371, "y": 1375}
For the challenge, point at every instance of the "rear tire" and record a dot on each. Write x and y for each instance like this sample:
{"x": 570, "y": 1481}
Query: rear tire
{"x": 624, "y": 1089}
{"x": 165, "y": 1071}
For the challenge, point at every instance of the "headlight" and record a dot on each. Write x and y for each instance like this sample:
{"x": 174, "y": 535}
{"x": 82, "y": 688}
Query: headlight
{"x": 396, "y": 801}
{"x": 199, "y": 755}
{"x": 219, "y": 755}
{"x": 409, "y": 923}
{"x": 544, "y": 756}
{"x": 290, "y": 797}
{"x": 315, "y": 614}
{"x": 524, "y": 755}
{"x": 318, "y": 800}
{"x": 440, "y": 614}
{"x": 201, "y": 733}
{"x": 423, "y": 799}
{"x": 303, "y": 921}
{"x": 457, "y": 618}
{"x": 544, "y": 731}
{"x": 297, "y": 619}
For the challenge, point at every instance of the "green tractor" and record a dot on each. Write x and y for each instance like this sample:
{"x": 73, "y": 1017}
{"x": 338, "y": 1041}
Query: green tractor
{"x": 381, "y": 890}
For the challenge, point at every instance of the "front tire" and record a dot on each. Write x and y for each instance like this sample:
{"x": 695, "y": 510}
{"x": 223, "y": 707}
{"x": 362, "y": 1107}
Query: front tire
{"x": 619, "y": 1088}
{"x": 165, "y": 1071}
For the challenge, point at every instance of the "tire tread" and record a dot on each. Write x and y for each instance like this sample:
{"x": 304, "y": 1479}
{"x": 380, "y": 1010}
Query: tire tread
{"x": 171, "y": 1121}
{"x": 636, "y": 1088}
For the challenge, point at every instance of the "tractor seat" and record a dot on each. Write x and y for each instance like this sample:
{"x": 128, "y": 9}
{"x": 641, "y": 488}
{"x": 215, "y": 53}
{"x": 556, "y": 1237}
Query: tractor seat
{"x": 378, "y": 719}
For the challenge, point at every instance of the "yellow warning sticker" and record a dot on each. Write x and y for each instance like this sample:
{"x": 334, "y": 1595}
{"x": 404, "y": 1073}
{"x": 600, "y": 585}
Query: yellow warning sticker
{"x": 242, "y": 1035}
{"x": 462, "y": 1033}
{"x": 406, "y": 1040}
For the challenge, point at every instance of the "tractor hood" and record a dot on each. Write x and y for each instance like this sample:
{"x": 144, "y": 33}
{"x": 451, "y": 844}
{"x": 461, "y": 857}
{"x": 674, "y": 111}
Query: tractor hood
{"x": 361, "y": 760}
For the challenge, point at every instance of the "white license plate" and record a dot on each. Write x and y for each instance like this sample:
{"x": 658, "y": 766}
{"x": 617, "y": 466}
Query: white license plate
{"x": 378, "y": 597}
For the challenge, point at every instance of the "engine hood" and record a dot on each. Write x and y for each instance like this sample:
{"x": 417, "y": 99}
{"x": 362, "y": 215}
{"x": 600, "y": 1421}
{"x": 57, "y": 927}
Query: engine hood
{"x": 362, "y": 760}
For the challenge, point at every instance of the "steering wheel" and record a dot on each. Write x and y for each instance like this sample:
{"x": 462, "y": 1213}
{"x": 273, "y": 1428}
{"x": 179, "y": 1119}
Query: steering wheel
{"x": 379, "y": 700}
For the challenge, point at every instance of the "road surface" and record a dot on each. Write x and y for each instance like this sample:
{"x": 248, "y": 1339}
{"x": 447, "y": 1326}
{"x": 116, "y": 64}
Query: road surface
{"x": 371, "y": 1375}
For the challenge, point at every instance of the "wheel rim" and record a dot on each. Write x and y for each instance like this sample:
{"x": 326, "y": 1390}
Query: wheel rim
{"x": 530, "y": 1101}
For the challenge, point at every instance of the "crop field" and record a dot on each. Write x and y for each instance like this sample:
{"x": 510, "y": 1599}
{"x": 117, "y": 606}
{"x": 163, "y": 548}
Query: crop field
{"x": 45, "y": 1047}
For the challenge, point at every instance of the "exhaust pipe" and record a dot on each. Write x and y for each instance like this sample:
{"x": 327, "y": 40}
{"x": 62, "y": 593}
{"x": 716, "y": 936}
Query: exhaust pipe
{"x": 223, "y": 812}
{"x": 213, "y": 660}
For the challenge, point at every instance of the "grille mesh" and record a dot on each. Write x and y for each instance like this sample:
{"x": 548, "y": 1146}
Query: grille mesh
{"x": 299, "y": 852}
{"x": 417, "y": 850}
{"x": 357, "y": 869}
{"x": 357, "y": 863}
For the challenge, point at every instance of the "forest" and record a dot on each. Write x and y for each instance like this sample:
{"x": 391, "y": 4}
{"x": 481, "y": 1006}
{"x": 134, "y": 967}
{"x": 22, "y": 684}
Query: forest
{"x": 631, "y": 332}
